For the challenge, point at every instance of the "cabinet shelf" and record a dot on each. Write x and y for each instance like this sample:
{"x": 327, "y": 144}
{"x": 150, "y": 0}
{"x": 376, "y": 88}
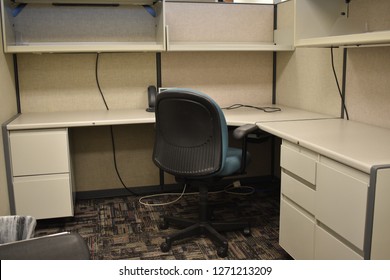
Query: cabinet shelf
{"x": 369, "y": 38}
{"x": 127, "y": 26}
{"x": 223, "y": 27}
{"x": 44, "y": 28}
{"x": 103, "y": 2}
{"x": 334, "y": 23}
{"x": 70, "y": 47}
{"x": 227, "y": 46}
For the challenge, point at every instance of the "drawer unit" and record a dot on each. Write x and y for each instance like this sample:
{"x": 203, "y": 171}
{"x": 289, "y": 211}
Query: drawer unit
{"x": 39, "y": 151}
{"x": 345, "y": 189}
{"x": 45, "y": 196}
{"x": 40, "y": 161}
{"x": 296, "y": 233}
{"x": 323, "y": 206}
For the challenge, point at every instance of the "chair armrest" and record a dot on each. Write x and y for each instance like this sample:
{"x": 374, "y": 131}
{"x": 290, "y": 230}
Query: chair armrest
{"x": 242, "y": 131}
{"x": 64, "y": 246}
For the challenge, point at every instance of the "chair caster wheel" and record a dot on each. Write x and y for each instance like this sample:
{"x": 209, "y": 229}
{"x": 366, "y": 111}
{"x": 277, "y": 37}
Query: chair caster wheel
{"x": 247, "y": 231}
{"x": 164, "y": 225}
{"x": 165, "y": 247}
{"x": 222, "y": 252}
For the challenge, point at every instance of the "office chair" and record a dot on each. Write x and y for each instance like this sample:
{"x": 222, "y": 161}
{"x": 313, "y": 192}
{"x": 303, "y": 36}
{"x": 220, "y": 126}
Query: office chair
{"x": 192, "y": 144}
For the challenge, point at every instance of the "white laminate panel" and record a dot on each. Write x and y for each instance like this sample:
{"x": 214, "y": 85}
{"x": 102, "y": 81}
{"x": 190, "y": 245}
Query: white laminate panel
{"x": 301, "y": 194}
{"x": 299, "y": 161}
{"x": 341, "y": 202}
{"x": 81, "y": 118}
{"x": 253, "y": 115}
{"x": 35, "y": 152}
{"x": 328, "y": 247}
{"x": 354, "y": 144}
{"x": 296, "y": 234}
{"x": 234, "y": 117}
{"x": 48, "y": 196}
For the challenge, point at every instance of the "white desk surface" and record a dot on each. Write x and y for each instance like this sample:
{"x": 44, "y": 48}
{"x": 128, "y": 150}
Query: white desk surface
{"x": 80, "y": 118}
{"x": 234, "y": 117}
{"x": 355, "y": 144}
{"x": 241, "y": 116}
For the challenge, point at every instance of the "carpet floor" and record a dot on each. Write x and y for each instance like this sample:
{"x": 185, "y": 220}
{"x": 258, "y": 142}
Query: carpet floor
{"x": 122, "y": 228}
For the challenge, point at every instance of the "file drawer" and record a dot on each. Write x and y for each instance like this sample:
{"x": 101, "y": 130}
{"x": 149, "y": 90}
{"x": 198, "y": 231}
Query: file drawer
{"x": 44, "y": 197}
{"x": 35, "y": 152}
{"x": 328, "y": 247}
{"x": 341, "y": 200}
{"x": 300, "y": 161}
{"x": 296, "y": 233}
{"x": 300, "y": 193}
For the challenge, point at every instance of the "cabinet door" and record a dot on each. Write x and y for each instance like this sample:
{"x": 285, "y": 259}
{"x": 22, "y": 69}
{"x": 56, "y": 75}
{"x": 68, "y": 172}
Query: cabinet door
{"x": 48, "y": 196}
{"x": 35, "y": 152}
{"x": 328, "y": 247}
{"x": 296, "y": 233}
{"x": 341, "y": 200}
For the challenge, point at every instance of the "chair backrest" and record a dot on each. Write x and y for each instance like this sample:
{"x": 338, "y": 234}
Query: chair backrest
{"x": 191, "y": 134}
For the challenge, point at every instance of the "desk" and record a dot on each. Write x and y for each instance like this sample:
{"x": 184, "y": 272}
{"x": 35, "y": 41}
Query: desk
{"x": 335, "y": 175}
{"x": 335, "y": 189}
{"x": 234, "y": 117}
{"x": 39, "y": 160}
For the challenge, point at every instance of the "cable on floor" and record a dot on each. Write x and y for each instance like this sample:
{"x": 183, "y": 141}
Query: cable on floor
{"x": 227, "y": 189}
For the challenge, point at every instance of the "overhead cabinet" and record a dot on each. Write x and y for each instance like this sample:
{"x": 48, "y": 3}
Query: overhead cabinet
{"x": 225, "y": 26}
{"x": 324, "y": 23}
{"x": 48, "y": 26}
{"x": 84, "y": 26}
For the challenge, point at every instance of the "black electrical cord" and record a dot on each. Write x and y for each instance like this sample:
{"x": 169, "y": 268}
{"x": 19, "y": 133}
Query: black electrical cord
{"x": 338, "y": 85}
{"x": 111, "y": 130}
{"x": 97, "y": 80}
{"x": 265, "y": 109}
{"x": 116, "y": 165}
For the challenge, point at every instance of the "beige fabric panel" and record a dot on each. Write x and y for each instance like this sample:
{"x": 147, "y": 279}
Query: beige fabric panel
{"x": 305, "y": 80}
{"x": 369, "y": 15}
{"x": 228, "y": 77}
{"x": 93, "y": 157}
{"x": 67, "y": 82}
{"x": 368, "y": 84}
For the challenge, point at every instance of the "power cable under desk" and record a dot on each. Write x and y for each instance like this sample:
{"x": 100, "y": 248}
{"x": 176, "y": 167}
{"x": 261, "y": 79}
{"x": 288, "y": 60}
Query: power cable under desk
{"x": 266, "y": 109}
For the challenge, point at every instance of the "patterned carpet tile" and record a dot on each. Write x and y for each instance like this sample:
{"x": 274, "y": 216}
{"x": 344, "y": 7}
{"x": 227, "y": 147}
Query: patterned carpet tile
{"x": 122, "y": 228}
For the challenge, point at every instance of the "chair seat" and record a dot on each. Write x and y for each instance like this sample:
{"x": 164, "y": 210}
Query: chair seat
{"x": 233, "y": 162}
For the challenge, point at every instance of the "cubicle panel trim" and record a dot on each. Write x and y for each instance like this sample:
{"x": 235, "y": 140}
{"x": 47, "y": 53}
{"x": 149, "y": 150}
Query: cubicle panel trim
{"x": 370, "y": 209}
{"x": 7, "y": 159}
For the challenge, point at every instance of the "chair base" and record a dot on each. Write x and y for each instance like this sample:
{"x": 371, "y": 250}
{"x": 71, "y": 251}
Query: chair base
{"x": 202, "y": 228}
